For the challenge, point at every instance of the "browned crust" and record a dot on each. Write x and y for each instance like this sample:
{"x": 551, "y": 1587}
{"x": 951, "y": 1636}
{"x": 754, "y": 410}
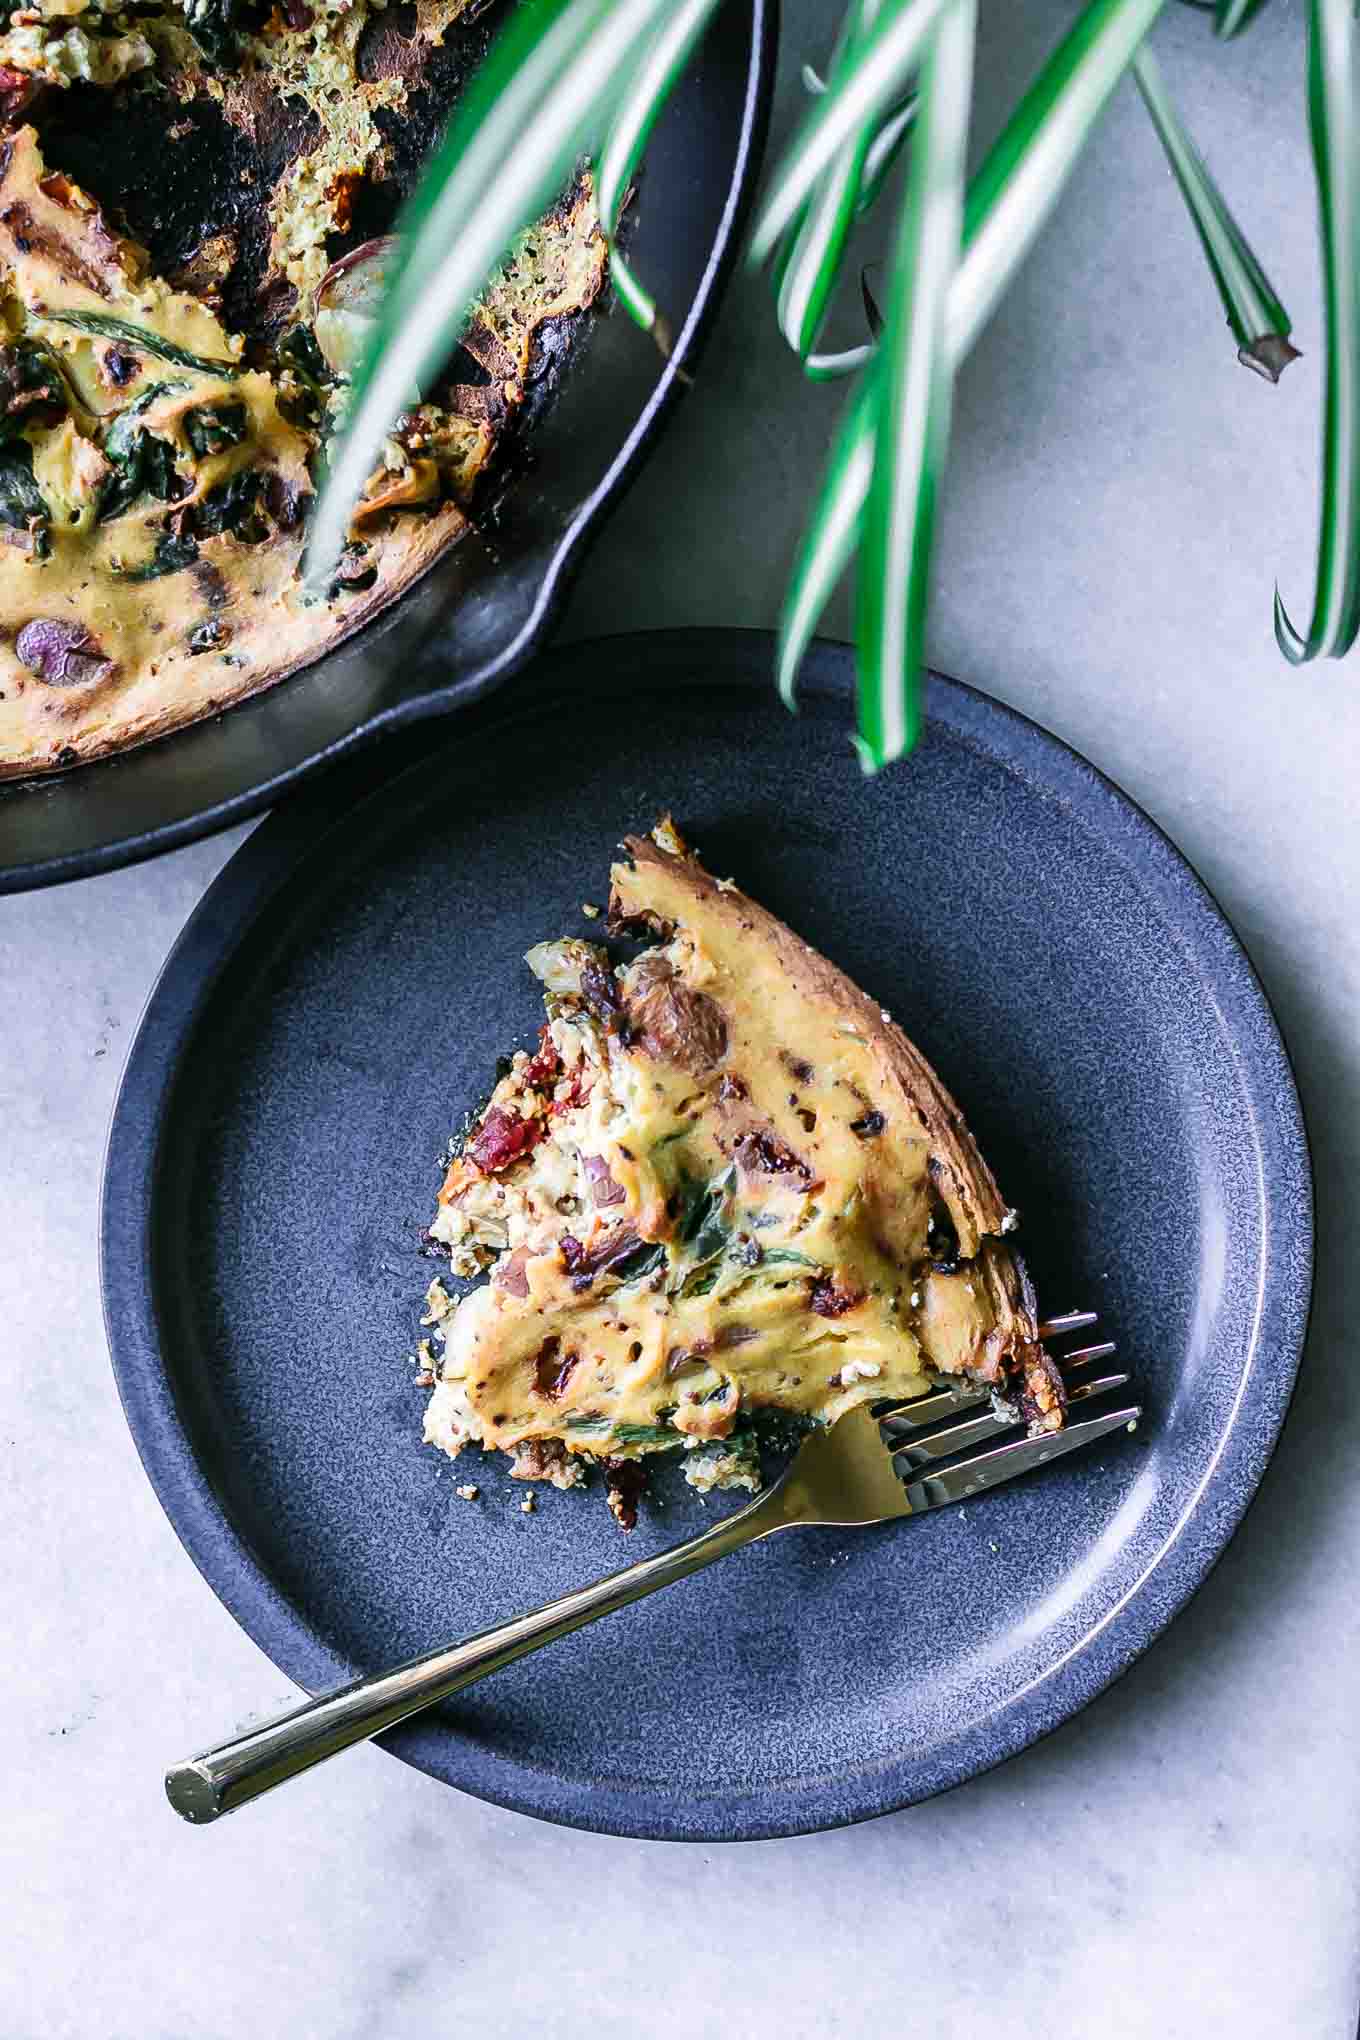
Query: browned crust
{"x": 961, "y": 1175}
{"x": 1009, "y": 1289}
{"x": 404, "y": 563}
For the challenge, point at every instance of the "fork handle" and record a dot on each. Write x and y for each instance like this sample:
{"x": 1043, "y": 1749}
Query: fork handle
{"x": 205, "y": 1787}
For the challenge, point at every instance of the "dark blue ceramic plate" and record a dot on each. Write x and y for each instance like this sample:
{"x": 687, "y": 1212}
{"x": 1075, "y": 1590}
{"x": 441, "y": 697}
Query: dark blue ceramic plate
{"x": 332, "y": 1010}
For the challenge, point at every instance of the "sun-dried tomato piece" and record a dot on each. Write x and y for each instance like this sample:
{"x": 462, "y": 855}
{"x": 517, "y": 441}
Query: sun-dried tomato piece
{"x": 501, "y": 1139}
{"x": 576, "y": 1092}
{"x": 545, "y": 1064}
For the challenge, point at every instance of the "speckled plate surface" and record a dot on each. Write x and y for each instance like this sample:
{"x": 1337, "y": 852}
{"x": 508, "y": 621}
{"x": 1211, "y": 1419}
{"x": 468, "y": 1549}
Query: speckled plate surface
{"x": 334, "y": 1007}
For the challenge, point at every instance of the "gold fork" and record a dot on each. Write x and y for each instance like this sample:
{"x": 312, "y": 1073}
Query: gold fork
{"x": 874, "y": 1466}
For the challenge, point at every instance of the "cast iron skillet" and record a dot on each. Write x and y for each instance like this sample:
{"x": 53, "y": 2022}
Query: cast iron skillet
{"x": 480, "y": 613}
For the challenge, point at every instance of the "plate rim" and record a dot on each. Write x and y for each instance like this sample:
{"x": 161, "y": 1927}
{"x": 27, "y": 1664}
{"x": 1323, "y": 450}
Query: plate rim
{"x": 203, "y": 951}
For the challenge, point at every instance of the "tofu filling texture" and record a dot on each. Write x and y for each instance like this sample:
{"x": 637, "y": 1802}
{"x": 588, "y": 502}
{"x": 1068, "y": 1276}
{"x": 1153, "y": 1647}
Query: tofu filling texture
{"x": 722, "y": 1184}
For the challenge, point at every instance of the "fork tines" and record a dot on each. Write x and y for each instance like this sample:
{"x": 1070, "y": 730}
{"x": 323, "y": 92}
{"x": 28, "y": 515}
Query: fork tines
{"x": 919, "y": 1438}
{"x": 1069, "y": 1321}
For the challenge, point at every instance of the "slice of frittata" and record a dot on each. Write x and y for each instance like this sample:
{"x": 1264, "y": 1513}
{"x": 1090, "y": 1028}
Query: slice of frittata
{"x": 724, "y": 1183}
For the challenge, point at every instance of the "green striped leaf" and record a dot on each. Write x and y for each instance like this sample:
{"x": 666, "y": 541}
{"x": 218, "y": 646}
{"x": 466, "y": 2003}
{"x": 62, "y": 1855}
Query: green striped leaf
{"x": 812, "y": 261}
{"x": 914, "y": 382}
{"x": 833, "y": 367}
{"x": 1024, "y": 174}
{"x": 555, "y": 69}
{"x": 1232, "y": 16}
{"x": 1259, "y": 322}
{"x": 812, "y": 255}
{"x": 630, "y": 130}
{"x": 871, "y": 83}
{"x": 831, "y": 538}
{"x": 1006, "y": 205}
{"x": 1026, "y": 169}
{"x": 1334, "y": 123}
{"x": 884, "y": 151}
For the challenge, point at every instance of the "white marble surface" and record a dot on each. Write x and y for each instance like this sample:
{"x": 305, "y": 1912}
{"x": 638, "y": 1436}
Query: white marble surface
{"x": 1183, "y": 1859}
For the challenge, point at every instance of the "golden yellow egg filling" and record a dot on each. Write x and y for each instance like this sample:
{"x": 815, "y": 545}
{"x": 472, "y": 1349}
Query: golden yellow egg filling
{"x": 725, "y": 1183}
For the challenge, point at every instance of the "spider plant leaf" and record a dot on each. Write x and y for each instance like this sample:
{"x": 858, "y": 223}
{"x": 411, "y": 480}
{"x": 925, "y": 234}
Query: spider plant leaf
{"x": 811, "y": 260}
{"x": 813, "y": 252}
{"x": 1334, "y": 124}
{"x": 871, "y": 83}
{"x": 1259, "y": 322}
{"x": 884, "y": 151}
{"x": 873, "y": 317}
{"x": 636, "y": 115}
{"x": 886, "y": 145}
{"x": 832, "y": 367}
{"x": 914, "y": 386}
{"x": 638, "y": 301}
{"x": 831, "y": 537}
{"x": 511, "y": 146}
{"x": 1027, "y": 167}
{"x": 1232, "y": 16}
{"x": 630, "y": 129}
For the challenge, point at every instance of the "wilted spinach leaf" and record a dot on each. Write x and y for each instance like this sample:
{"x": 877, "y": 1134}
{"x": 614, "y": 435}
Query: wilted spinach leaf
{"x": 699, "y": 1223}
{"x": 212, "y": 428}
{"x": 645, "y": 1258}
{"x": 105, "y": 326}
{"x": 301, "y": 353}
{"x": 703, "y": 1231}
{"x": 208, "y": 635}
{"x": 646, "y": 1434}
{"x": 233, "y": 506}
{"x": 625, "y": 1434}
{"x": 701, "y": 1280}
{"x": 171, "y": 554}
{"x": 22, "y": 506}
{"x": 140, "y": 462}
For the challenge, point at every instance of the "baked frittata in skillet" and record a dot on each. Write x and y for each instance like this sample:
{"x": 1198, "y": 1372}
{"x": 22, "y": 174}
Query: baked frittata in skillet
{"x": 724, "y": 1183}
{"x": 161, "y": 428}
